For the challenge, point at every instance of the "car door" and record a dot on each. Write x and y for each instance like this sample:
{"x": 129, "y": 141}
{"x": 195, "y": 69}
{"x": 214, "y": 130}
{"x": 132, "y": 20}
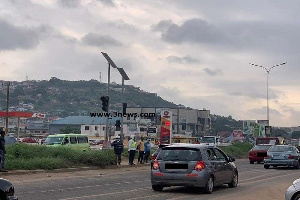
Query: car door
{"x": 227, "y": 169}
{"x": 221, "y": 165}
{"x": 214, "y": 165}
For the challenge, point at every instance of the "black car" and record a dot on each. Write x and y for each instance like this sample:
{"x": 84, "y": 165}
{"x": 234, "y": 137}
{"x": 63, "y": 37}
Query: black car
{"x": 7, "y": 190}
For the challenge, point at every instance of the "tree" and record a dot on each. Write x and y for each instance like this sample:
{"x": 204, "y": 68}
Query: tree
{"x": 296, "y": 134}
{"x": 279, "y": 133}
{"x": 69, "y": 129}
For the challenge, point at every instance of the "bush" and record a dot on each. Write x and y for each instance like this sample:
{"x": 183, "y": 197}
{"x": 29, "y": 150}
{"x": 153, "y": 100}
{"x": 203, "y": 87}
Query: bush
{"x": 238, "y": 150}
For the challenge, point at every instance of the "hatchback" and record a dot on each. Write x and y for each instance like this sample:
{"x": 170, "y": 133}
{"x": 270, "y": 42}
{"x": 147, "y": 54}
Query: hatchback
{"x": 194, "y": 165}
{"x": 282, "y": 155}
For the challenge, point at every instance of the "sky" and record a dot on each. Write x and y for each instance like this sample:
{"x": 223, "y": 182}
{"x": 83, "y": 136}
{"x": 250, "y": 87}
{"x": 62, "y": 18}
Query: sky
{"x": 190, "y": 52}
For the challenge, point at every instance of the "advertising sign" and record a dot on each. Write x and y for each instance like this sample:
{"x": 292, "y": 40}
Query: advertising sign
{"x": 166, "y": 127}
{"x": 248, "y": 127}
{"x": 262, "y": 127}
{"x": 237, "y": 135}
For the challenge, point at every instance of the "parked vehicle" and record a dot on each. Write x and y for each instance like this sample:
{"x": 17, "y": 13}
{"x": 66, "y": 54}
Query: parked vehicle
{"x": 10, "y": 140}
{"x": 282, "y": 155}
{"x": 7, "y": 190}
{"x": 193, "y": 165}
{"x": 258, "y": 153}
{"x": 29, "y": 140}
{"x": 96, "y": 142}
{"x": 74, "y": 141}
{"x": 293, "y": 192}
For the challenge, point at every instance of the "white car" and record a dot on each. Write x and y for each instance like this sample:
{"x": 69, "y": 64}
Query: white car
{"x": 293, "y": 192}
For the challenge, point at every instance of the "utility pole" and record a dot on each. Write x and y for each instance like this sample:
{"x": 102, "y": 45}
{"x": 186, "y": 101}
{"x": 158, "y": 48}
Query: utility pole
{"x": 7, "y": 107}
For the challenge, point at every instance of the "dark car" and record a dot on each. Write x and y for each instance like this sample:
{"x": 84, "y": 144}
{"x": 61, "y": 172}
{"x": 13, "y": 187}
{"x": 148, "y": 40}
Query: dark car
{"x": 194, "y": 165}
{"x": 7, "y": 190}
{"x": 258, "y": 153}
{"x": 10, "y": 140}
{"x": 282, "y": 155}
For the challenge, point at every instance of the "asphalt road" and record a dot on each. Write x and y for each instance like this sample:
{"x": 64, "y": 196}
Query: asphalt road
{"x": 255, "y": 182}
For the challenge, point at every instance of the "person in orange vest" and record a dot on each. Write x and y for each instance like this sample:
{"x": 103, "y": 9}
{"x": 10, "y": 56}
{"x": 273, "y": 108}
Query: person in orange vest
{"x": 141, "y": 149}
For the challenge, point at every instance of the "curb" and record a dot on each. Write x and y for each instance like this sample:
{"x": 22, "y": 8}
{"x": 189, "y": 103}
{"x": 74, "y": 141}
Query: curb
{"x": 61, "y": 170}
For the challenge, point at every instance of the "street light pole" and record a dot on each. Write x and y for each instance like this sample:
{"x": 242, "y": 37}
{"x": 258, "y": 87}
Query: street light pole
{"x": 268, "y": 73}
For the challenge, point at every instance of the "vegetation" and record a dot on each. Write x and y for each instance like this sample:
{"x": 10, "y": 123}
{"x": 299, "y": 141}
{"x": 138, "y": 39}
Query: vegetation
{"x": 296, "y": 135}
{"x": 22, "y": 156}
{"x": 220, "y": 123}
{"x": 238, "y": 150}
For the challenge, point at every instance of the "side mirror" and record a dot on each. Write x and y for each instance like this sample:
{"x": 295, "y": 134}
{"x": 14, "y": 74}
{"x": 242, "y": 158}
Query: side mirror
{"x": 231, "y": 159}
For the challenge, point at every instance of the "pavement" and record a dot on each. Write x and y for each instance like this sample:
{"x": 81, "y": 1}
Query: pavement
{"x": 124, "y": 164}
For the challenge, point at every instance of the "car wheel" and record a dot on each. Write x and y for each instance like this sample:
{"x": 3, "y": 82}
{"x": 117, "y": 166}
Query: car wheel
{"x": 251, "y": 162}
{"x": 297, "y": 166}
{"x": 297, "y": 197}
{"x": 266, "y": 166}
{"x": 209, "y": 186}
{"x": 157, "y": 187}
{"x": 235, "y": 180}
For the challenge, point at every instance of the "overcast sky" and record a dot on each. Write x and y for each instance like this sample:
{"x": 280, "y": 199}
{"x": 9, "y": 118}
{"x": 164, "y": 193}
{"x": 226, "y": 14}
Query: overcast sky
{"x": 190, "y": 52}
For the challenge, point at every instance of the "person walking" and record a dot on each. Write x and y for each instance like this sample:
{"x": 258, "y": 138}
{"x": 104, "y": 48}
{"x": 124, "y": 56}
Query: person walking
{"x": 118, "y": 148}
{"x": 2, "y": 151}
{"x": 147, "y": 150}
{"x": 141, "y": 149}
{"x": 132, "y": 149}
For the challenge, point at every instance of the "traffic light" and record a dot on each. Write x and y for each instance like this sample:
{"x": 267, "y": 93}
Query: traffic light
{"x": 124, "y": 108}
{"x": 105, "y": 100}
{"x": 118, "y": 125}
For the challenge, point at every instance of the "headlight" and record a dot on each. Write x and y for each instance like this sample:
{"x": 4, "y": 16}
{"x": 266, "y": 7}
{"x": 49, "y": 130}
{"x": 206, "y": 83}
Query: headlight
{"x": 296, "y": 181}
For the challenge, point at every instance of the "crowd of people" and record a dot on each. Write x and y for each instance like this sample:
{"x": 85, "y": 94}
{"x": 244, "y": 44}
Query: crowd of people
{"x": 142, "y": 148}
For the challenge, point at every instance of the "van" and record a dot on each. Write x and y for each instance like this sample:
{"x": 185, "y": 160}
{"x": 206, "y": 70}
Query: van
{"x": 74, "y": 141}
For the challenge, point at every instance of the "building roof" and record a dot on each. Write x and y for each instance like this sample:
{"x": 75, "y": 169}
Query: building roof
{"x": 85, "y": 120}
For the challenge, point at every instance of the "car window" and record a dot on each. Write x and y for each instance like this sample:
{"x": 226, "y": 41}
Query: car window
{"x": 73, "y": 140}
{"x": 180, "y": 154}
{"x": 261, "y": 147}
{"x": 82, "y": 140}
{"x": 211, "y": 154}
{"x": 220, "y": 155}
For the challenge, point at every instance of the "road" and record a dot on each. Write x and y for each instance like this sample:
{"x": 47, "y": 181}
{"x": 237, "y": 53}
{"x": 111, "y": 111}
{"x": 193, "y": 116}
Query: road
{"x": 255, "y": 182}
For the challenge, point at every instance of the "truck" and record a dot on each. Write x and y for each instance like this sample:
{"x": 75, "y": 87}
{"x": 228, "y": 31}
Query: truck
{"x": 270, "y": 140}
{"x": 210, "y": 140}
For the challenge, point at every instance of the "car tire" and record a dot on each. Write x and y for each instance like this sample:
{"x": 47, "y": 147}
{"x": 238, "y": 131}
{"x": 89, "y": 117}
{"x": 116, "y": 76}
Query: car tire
{"x": 297, "y": 197}
{"x": 208, "y": 189}
{"x": 157, "y": 187}
{"x": 297, "y": 166}
{"x": 266, "y": 166}
{"x": 251, "y": 162}
{"x": 235, "y": 181}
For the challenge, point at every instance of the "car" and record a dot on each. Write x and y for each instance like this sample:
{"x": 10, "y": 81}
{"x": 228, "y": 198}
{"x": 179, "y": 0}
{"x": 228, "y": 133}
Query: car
{"x": 29, "y": 140}
{"x": 258, "y": 153}
{"x": 153, "y": 156}
{"x": 194, "y": 165}
{"x": 293, "y": 192}
{"x": 10, "y": 140}
{"x": 7, "y": 190}
{"x": 282, "y": 155}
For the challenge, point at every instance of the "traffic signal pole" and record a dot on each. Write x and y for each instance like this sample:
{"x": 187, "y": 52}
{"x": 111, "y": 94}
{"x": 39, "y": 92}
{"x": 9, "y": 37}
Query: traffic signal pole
{"x": 107, "y": 117}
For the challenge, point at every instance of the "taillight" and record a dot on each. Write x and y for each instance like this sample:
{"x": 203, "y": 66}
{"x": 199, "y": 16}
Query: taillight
{"x": 155, "y": 165}
{"x": 199, "y": 166}
{"x": 153, "y": 157}
{"x": 291, "y": 157}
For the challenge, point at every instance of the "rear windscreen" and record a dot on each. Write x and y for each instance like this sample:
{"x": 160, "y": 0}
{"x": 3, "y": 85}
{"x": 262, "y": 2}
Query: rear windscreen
{"x": 281, "y": 149}
{"x": 261, "y": 147}
{"x": 179, "y": 154}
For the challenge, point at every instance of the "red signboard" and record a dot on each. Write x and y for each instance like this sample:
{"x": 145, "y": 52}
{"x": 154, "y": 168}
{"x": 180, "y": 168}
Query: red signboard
{"x": 166, "y": 127}
{"x": 16, "y": 114}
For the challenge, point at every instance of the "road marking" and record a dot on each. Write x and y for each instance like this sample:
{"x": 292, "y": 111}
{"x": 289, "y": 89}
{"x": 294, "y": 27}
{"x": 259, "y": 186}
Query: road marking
{"x": 113, "y": 193}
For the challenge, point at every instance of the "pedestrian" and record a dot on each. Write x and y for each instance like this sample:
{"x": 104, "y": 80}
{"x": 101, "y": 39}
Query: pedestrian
{"x": 118, "y": 148}
{"x": 132, "y": 149}
{"x": 2, "y": 151}
{"x": 147, "y": 150}
{"x": 141, "y": 149}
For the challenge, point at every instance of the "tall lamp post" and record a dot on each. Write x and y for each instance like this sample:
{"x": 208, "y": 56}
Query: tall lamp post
{"x": 268, "y": 73}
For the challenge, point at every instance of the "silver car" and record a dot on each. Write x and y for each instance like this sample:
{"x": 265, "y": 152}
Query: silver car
{"x": 293, "y": 192}
{"x": 282, "y": 155}
{"x": 194, "y": 165}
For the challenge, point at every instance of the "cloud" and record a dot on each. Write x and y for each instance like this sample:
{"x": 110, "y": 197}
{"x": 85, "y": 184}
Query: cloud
{"x": 162, "y": 26}
{"x": 182, "y": 60}
{"x": 213, "y": 72}
{"x": 69, "y": 3}
{"x": 263, "y": 111}
{"x": 107, "y": 2}
{"x": 14, "y": 37}
{"x": 98, "y": 40}
{"x": 191, "y": 31}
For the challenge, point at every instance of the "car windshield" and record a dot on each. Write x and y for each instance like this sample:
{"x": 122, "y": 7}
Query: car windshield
{"x": 208, "y": 140}
{"x": 180, "y": 154}
{"x": 261, "y": 147}
{"x": 281, "y": 149}
{"x": 54, "y": 140}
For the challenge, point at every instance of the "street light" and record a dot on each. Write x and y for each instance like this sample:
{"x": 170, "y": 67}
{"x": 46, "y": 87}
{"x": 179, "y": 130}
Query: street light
{"x": 268, "y": 73}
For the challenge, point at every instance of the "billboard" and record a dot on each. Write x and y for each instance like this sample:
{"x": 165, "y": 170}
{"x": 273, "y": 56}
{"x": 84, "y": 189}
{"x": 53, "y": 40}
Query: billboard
{"x": 262, "y": 127}
{"x": 237, "y": 135}
{"x": 166, "y": 127}
{"x": 248, "y": 127}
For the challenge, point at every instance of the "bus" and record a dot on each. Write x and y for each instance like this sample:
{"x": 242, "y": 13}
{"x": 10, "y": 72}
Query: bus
{"x": 73, "y": 141}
